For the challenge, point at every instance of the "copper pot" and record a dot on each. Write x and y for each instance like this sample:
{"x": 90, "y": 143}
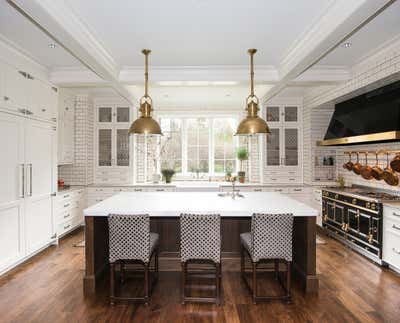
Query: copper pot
{"x": 349, "y": 164}
{"x": 389, "y": 175}
{"x": 366, "y": 170}
{"x": 395, "y": 163}
{"x": 357, "y": 166}
{"x": 377, "y": 172}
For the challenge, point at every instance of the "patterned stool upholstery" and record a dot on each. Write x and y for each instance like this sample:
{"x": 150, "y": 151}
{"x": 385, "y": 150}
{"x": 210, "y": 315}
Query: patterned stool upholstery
{"x": 130, "y": 237}
{"x": 201, "y": 243}
{"x": 130, "y": 240}
{"x": 270, "y": 239}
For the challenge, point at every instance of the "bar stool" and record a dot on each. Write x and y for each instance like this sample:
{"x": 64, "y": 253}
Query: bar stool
{"x": 201, "y": 243}
{"x": 131, "y": 242}
{"x": 270, "y": 239}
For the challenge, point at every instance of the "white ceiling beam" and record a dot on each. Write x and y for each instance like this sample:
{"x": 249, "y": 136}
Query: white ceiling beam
{"x": 340, "y": 21}
{"x": 61, "y": 23}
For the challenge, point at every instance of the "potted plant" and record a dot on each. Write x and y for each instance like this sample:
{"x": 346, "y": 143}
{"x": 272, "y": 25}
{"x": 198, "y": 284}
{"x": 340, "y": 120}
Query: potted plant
{"x": 242, "y": 154}
{"x": 167, "y": 174}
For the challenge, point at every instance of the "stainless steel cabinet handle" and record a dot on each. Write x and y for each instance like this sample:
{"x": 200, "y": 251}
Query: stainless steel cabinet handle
{"x": 396, "y": 251}
{"x": 23, "y": 111}
{"x": 396, "y": 214}
{"x": 22, "y": 181}
{"x": 66, "y": 205}
{"x": 257, "y": 190}
{"x": 30, "y": 179}
{"x": 67, "y": 215}
{"x": 66, "y": 226}
{"x": 395, "y": 227}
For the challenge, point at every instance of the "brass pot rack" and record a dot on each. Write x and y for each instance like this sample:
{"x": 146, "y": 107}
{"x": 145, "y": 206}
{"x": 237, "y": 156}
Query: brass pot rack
{"x": 372, "y": 152}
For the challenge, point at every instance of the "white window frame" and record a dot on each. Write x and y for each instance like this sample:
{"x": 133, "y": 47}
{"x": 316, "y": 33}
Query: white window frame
{"x": 211, "y": 145}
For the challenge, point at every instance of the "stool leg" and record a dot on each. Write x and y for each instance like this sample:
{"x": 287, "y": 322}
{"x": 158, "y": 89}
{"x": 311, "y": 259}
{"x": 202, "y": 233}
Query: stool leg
{"x": 183, "y": 281}
{"x": 276, "y": 261}
{"x": 288, "y": 282}
{"x": 156, "y": 264}
{"x": 122, "y": 272}
{"x": 218, "y": 282}
{"x": 242, "y": 260}
{"x": 254, "y": 282}
{"x": 146, "y": 283}
{"x": 112, "y": 283}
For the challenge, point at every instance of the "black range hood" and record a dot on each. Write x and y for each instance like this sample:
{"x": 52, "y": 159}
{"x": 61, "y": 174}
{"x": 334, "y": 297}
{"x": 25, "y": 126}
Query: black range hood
{"x": 368, "y": 118}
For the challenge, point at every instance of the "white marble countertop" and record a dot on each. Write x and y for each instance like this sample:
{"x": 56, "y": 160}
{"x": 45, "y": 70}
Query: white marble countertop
{"x": 172, "y": 204}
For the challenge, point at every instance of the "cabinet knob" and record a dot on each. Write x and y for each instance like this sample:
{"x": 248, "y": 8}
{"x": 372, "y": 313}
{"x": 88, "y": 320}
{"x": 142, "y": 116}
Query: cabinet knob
{"x": 6, "y": 98}
{"x": 43, "y": 110}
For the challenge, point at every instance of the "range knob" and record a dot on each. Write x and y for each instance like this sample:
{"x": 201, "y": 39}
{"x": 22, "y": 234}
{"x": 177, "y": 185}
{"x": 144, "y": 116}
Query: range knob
{"x": 354, "y": 201}
{"x": 368, "y": 205}
{"x": 373, "y": 206}
{"x": 336, "y": 196}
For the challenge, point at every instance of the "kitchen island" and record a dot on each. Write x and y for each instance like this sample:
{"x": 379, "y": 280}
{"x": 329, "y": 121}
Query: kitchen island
{"x": 165, "y": 208}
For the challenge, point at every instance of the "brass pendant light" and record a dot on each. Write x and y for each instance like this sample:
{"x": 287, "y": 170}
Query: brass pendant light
{"x": 145, "y": 124}
{"x": 252, "y": 124}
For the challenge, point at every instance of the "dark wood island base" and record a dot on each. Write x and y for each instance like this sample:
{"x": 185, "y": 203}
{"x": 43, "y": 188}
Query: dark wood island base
{"x": 304, "y": 246}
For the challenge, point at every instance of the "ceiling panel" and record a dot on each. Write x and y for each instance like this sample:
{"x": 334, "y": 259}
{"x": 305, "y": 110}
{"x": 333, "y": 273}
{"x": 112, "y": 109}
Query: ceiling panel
{"x": 21, "y": 31}
{"x": 369, "y": 39}
{"x": 198, "y": 32}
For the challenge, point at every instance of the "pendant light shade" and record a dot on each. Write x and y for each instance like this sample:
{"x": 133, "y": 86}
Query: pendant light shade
{"x": 252, "y": 124}
{"x": 145, "y": 124}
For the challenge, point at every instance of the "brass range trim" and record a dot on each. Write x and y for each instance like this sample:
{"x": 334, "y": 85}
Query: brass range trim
{"x": 352, "y": 205}
{"x": 380, "y": 136}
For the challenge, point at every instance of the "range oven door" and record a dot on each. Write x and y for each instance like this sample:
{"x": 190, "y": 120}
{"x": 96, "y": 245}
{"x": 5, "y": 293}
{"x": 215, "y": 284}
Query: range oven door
{"x": 334, "y": 215}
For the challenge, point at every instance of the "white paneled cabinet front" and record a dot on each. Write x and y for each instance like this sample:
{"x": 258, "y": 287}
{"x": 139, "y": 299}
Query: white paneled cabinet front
{"x": 283, "y": 148}
{"x": 113, "y": 145}
{"x": 12, "y": 173}
{"x": 39, "y": 151}
{"x": 66, "y": 130}
{"x": 28, "y": 176}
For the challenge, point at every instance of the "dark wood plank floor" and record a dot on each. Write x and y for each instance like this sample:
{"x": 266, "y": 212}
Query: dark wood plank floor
{"x": 48, "y": 288}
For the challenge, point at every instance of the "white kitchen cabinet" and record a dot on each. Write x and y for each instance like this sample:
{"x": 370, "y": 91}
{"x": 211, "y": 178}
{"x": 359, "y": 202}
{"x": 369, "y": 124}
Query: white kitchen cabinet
{"x": 23, "y": 93}
{"x": 391, "y": 237}
{"x": 11, "y": 189}
{"x": 66, "y": 130}
{"x": 15, "y": 89}
{"x": 68, "y": 210}
{"x": 283, "y": 148}
{"x": 113, "y": 145}
{"x": 28, "y": 180}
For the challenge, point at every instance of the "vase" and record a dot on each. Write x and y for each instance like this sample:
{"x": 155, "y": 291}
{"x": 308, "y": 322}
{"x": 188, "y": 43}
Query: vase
{"x": 155, "y": 178}
{"x": 241, "y": 177}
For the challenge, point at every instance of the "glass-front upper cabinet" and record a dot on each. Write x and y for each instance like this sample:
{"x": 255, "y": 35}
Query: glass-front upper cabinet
{"x": 113, "y": 114}
{"x": 273, "y": 154}
{"x": 281, "y": 114}
{"x": 112, "y": 137}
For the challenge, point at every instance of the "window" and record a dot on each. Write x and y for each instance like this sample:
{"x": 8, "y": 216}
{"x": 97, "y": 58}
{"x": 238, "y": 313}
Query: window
{"x": 171, "y": 144}
{"x": 224, "y": 145}
{"x": 198, "y": 145}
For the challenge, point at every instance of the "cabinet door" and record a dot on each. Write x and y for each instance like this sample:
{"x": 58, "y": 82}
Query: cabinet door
{"x": 122, "y": 147}
{"x": 122, "y": 114}
{"x": 40, "y": 102}
{"x": 39, "y": 156}
{"x": 12, "y": 161}
{"x": 291, "y": 147}
{"x": 104, "y": 147}
{"x": 291, "y": 114}
{"x": 11, "y": 234}
{"x": 273, "y": 147}
{"x": 104, "y": 114}
{"x": 16, "y": 90}
{"x": 273, "y": 114}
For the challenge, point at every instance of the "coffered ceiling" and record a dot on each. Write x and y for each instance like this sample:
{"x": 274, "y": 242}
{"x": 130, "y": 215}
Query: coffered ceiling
{"x": 99, "y": 42}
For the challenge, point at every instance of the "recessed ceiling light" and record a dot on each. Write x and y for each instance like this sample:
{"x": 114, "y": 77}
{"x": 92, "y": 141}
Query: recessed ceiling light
{"x": 227, "y": 95}
{"x": 52, "y": 45}
{"x": 224, "y": 83}
{"x": 347, "y": 45}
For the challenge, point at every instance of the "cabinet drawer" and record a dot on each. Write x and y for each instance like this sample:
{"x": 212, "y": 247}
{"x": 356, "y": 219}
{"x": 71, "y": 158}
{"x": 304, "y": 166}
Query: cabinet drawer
{"x": 283, "y": 190}
{"x": 391, "y": 247}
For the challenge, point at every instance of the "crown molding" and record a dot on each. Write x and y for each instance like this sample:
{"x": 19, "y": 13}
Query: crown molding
{"x": 59, "y": 21}
{"x": 75, "y": 76}
{"x": 134, "y": 74}
{"x": 341, "y": 20}
{"x": 324, "y": 74}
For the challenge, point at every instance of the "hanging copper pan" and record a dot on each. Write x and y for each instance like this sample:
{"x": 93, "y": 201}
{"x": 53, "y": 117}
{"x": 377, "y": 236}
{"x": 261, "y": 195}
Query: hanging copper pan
{"x": 366, "y": 170}
{"x": 357, "y": 166}
{"x": 377, "y": 172}
{"x": 395, "y": 163}
{"x": 349, "y": 164}
{"x": 389, "y": 175}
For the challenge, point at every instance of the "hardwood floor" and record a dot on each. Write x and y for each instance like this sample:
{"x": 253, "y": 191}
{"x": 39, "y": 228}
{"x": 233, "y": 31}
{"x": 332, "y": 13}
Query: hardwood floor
{"x": 48, "y": 288}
